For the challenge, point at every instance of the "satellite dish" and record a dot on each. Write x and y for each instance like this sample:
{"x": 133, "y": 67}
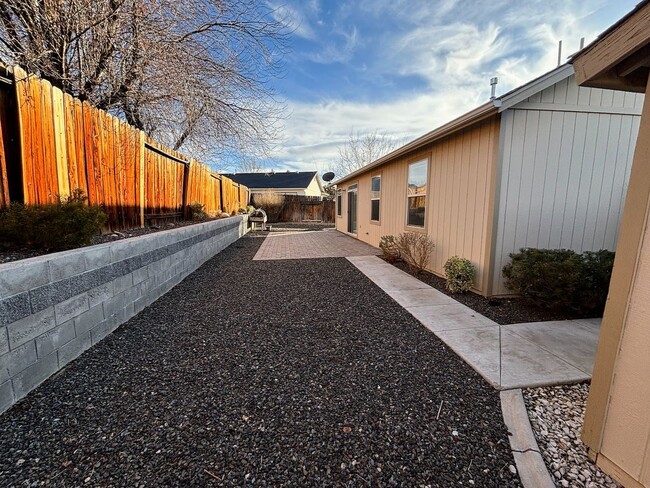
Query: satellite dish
{"x": 329, "y": 176}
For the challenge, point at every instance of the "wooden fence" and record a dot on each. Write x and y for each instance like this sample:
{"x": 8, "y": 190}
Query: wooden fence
{"x": 305, "y": 209}
{"x": 52, "y": 144}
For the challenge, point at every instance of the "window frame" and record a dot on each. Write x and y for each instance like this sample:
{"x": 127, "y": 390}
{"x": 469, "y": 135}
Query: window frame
{"x": 373, "y": 198}
{"x": 408, "y": 225}
{"x": 339, "y": 203}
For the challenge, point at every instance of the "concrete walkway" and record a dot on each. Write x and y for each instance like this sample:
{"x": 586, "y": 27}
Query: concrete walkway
{"x": 507, "y": 356}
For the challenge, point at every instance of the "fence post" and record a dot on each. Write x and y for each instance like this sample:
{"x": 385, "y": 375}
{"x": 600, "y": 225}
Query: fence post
{"x": 142, "y": 178}
{"x": 221, "y": 193}
{"x": 186, "y": 179}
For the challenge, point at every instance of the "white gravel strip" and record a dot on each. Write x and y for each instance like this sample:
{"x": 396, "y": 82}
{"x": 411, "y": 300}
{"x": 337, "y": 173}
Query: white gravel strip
{"x": 556, "y": 416}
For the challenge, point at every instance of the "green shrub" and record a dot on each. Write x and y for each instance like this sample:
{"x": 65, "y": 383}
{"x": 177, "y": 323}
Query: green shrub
{"x": 197, "y": 211}
{"x": 561, "y": 279}
{"x": 389, "y": 249}
{"x": 595, "y": 280}
{"x": 415, "y": 248}
{"x": 459, "y": 273}
{"x": 66, "y": 224}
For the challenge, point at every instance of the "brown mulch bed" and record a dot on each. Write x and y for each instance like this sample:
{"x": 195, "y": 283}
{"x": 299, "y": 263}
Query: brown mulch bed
{"x": 18, "y": 254}
{"x": 502, "y": 310}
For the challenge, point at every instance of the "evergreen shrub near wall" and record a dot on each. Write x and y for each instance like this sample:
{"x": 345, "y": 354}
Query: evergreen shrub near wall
{"x": 561, "y": 279}
{"x": 459, "y": 273}
{"x": 66, "y": 224}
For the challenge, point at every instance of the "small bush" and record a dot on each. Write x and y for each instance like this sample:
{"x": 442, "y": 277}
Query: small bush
{"x": 271, "y": 202}
{"x": 66, "y": 224}
{"x": 389, "y": 248}
{"x": 460, "y": 274}
{"x": 415, "y": 248}
{"x": 561, "y": 279}
{"x": 595, "y": 280}
{"x": 197, "y": 211}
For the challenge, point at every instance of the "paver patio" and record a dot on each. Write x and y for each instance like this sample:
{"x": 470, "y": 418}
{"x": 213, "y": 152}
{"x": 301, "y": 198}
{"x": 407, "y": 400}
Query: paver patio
{"x": 327, "y": 243}
{"x": 267, "y": 373}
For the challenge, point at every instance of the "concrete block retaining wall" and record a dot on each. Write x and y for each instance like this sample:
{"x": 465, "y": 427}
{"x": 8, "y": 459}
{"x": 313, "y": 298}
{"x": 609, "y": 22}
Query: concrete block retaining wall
{"x": 54, "y": 307}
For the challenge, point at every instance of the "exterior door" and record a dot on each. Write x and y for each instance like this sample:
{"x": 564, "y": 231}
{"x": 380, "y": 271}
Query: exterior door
{"x": 352, "y": 209}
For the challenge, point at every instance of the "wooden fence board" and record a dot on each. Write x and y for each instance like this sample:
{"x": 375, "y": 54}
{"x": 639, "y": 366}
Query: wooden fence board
{"x": 68, "y": 144}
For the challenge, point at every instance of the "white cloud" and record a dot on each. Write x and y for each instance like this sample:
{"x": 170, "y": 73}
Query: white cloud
{"x": 315, "y": 131}
{"x": 454, "y": 47}
{"x": 334, "y": 52}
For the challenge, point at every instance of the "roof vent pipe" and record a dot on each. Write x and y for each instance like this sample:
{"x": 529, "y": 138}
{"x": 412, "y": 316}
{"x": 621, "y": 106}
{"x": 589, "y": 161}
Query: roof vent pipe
{"x": 493, "y": 84}
{"x": 559, "y": 53}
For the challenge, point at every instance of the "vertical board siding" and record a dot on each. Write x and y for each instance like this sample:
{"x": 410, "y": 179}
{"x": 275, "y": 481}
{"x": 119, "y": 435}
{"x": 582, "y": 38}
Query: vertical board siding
{"x": 563, "y": 173}
{"x": 458, "y": 197}
{"x": 68, "y": 145}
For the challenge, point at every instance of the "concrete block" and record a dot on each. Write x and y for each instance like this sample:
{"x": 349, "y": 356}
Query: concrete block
{"x": 14, "y": 308}
{"x": 6, "y": 396}
{"x": 54, "y": 338}
{"x": 50, "y": 294}
{"x": 140, "y": 274}
{"x": 100, "y": 294}
{"x": 122, "y": 283}
{"x": 73, "y": 349}
{"x": 30, "y": 378}
{"x": 17, "y": 360}
{"x": 32, "y": 326}
{"x": 22, "y": 276}
{"x": 122, "y": 300}
{"x": 4, "y": 340}
{"x": 67, "y": 265}
{"x": 98, "y": 256}
{"x": 127, "y": 248}
{"x": 71, "y": 307}
{"x": 89, "y": 319}
{"x": 91, "y": 279}
{"x": 103, "y": 329}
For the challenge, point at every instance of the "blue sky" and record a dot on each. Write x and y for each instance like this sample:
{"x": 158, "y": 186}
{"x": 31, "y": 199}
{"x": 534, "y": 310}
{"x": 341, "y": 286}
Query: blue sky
{"x": 404, "y": 67}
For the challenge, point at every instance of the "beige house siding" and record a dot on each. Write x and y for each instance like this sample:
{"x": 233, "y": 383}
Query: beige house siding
{"x": 459, "y": 204}
{"x": 313, "y": 190}
{"x": 626, "y": 434}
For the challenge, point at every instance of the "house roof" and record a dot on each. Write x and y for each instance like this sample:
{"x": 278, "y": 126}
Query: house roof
{"x": 289, "y": 179}
{"x": 493, "y": 107}
{"x": 619, "y": 58}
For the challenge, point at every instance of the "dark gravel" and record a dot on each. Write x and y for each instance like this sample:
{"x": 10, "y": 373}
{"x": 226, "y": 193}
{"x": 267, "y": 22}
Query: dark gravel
{"x": 266, "y": 373}
{"x": 502, "y": 310}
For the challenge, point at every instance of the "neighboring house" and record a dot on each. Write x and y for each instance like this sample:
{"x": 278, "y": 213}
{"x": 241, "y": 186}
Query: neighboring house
{"x": 545, "y": 165}
{"x": 305, "y": 183}
{"x": 617, "y": 420}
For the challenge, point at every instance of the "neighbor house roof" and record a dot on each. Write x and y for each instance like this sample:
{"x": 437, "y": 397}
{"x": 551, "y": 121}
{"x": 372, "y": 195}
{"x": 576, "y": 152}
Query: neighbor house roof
{"x": 289, "y": 179}
{"x": 472, "y": 117}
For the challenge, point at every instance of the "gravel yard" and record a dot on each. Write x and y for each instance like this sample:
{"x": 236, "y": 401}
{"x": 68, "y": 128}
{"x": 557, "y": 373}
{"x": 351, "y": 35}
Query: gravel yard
{"x": 556, "y": 415}
{"x": 266, "y": 373}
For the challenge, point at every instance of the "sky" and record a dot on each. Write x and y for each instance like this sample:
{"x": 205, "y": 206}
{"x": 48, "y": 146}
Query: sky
{"x": 405, "y": 67}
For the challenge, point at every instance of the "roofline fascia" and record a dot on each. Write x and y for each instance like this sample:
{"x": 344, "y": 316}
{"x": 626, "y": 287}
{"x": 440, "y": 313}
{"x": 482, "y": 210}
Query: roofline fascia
{"x": 535, "y": 86}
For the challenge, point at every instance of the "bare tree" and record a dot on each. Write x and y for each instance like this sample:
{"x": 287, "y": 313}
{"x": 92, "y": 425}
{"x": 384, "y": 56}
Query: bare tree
{"x": 194, "y": 74}
{"x": 361, "y": 149}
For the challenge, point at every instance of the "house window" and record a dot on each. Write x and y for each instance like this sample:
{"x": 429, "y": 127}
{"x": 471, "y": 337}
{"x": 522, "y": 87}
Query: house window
{"x": 375, "y": 197}
{"x": 416, "y": 193}
{"x": 339, "y": 202}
